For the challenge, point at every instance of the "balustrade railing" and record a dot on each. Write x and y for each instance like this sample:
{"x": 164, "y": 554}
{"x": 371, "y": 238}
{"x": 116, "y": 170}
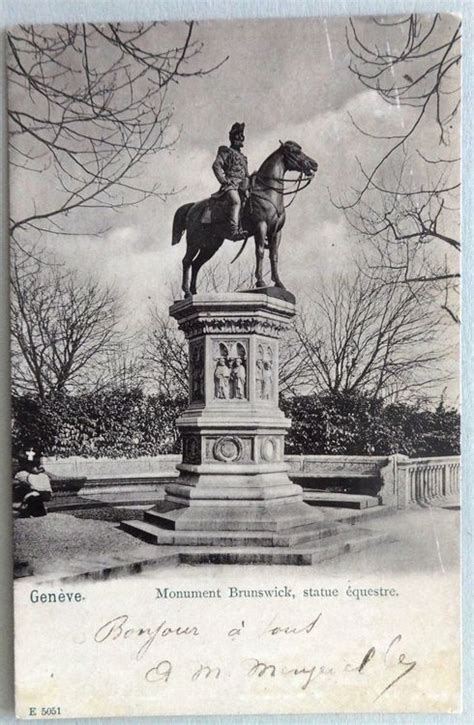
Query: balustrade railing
{"x": 403, "y": 481}
{"x": 427, "y": 479}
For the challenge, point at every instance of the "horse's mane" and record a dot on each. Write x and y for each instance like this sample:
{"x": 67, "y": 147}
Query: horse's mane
{"x": 291, "y": 145}
{"x": 287, "y": 146}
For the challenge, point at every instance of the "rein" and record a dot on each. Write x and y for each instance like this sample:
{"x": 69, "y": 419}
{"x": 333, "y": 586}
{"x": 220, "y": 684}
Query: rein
{"x": 299, "y": 187}
{"x": 301, "y": 183}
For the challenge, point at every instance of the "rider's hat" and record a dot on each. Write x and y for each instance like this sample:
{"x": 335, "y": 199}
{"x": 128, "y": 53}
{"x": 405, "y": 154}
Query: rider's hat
{"x": 236, "y": 129}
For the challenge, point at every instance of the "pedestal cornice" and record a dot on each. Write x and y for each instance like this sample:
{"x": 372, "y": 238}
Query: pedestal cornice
{"x": 233, "y": 313}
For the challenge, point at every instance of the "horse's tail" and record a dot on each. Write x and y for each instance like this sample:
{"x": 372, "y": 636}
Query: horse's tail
{"x": 179, "y": 222}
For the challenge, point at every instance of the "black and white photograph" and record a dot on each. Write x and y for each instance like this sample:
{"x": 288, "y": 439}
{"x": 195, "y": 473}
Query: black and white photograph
{"x": 235, "y": 320}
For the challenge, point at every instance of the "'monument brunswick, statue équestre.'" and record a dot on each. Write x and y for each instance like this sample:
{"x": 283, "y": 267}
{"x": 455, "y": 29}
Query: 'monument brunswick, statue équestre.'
{"x": 233, "y": 500}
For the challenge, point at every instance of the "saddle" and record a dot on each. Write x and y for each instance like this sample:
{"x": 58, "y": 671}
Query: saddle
{"x": 216, "y": 211}
{"x": 217, "y": 207}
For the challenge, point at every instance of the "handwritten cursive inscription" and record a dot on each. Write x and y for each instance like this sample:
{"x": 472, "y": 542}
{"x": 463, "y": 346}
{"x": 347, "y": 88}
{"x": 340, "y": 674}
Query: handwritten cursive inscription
{"x": 387, "y": 663}
{"x": 305, "y": 674}
{"x": 298, "y": 629}
{"x": 118, "y": 628}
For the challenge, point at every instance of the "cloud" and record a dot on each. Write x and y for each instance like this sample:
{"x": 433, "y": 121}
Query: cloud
{"x": 124, "y": 239}
{"x": 286, "y": 81}
{"x": 137, "y": 257}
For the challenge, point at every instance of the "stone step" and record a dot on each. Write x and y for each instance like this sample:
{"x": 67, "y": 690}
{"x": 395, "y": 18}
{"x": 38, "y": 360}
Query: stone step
{"x": 360, "y": 516}
{"x": 324, "y": 475}
{"x": 152, "y": 533}
{"x": 355, "y": 540}
{"x": 149, "y": 531}
{"x": 72, "y": 503}
{"x": 340, "y": 500}
{"x": 350, "y": 535}
{"x": 66, "y": 503}
{"x": 129, "y": 483}
{"x": 290, "y": 517}
{"x": 312, "y": 532}
{"x": 142, "y": 558}
{"x": 132, "y": 562}
{"x": 311, "y": 553}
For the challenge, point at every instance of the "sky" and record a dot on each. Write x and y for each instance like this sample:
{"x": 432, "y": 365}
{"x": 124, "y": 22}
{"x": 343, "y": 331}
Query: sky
{"x": 286, "y": 80}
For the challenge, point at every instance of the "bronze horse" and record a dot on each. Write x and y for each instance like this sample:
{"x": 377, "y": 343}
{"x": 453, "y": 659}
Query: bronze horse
{"x": 263, "y": 216}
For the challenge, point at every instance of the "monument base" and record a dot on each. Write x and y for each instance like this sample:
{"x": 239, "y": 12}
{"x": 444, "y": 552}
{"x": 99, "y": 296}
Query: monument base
{"x": 259, "y": 518}
{"x": 233, "y": 489}
{"x": 233, "y": 497}
{"x": 300, "y": 546}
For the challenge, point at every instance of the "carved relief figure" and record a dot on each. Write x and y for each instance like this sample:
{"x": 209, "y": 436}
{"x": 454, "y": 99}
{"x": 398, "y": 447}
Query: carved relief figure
{"x": 221, "y": 379}
{"x": 191, "y": 449}
{"x": 197, "y": 371}
{"x": 230, "y": 373}
{"x": 264, "y": 373}
{"x": 267, "y": 383}
{"x": 238, "y": 379}
{"x": 259, "y": 377}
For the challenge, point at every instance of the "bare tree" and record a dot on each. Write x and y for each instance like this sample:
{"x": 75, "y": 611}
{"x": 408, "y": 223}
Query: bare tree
{"x": 407, "y": 201}
{"x": 295, "y": 376}
{"x": 360, "y": 334}
{"x": 122, "y": 366}
{"x": 165, "y": 355}
{"x": 364, "y": 336}
{"x": 165, "y": 358}
{"x": 87, "y": 106}
{"x": 402, "y": 229}
{"x": 63, "y": 330}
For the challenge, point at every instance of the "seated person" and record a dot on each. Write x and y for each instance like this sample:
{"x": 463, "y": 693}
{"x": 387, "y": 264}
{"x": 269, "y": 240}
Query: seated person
{"x": 40, "y": 481}
{"x": 30, "y": 490}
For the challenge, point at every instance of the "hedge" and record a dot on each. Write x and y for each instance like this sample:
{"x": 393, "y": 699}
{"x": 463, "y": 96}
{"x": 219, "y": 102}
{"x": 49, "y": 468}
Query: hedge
{"x": 112, "y": 424}
{"x": 357, "y": 425}
{"x": 130, "y": 423}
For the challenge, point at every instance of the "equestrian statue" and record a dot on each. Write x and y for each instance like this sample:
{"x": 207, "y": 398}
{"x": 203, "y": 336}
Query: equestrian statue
{"x": 243, "y": 207}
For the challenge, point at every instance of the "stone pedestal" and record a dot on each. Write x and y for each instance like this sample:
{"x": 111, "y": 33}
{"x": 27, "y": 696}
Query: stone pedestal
{"x": 233, "y": 477}
{"x": 233, "y": 497}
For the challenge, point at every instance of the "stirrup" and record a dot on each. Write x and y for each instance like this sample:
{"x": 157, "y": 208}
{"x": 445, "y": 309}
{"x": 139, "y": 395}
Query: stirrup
{"x": 237, "y": 235}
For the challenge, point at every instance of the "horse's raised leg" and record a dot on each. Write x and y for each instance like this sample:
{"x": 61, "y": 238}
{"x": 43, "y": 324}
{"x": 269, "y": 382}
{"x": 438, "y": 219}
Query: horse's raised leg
{"x": 187, "y": 260}
{"x": 260, "y": 236}
{"x": 204, "y": 255}
{"x": 273, "y": 244}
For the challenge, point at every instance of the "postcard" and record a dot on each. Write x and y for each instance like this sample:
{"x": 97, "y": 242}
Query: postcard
{"x": 235, "y": 388}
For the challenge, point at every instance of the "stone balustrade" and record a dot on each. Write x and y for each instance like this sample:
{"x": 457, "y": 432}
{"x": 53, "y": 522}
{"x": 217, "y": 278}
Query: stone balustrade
{"x": 336, "y": 466}
{"x": 103, "y": 469}
{"x": 401, "y": 481}
{"x": 423, "y": 480}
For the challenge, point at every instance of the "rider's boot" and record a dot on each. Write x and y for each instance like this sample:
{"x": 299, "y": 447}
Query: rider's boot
{"x": 236, "y": 233}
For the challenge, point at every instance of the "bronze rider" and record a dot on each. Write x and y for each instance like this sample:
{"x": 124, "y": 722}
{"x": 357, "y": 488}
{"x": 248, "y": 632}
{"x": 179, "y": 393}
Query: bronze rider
{"x": 231, "y": 170}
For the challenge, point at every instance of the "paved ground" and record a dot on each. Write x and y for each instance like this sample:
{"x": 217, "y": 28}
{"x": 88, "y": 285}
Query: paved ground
{"x": 59, "y": 541}
{"x": 426, "y": 540}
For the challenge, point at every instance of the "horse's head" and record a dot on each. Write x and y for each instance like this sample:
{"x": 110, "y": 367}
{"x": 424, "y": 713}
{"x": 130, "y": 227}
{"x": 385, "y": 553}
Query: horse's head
{"x": 296, "y": 160}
